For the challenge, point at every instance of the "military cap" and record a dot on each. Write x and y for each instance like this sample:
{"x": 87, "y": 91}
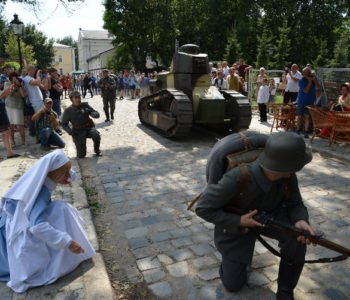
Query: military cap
{"x": 285, "y": 152}
{"x": 74, "y": 94}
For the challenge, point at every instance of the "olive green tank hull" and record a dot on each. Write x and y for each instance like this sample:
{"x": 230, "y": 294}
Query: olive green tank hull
{"x": 170, "y": 111}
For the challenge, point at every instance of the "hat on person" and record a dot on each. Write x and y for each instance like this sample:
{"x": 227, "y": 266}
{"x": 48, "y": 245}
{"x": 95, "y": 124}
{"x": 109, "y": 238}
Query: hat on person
{"x": 262, "y": 69}
{"x": 74, "y": 94}
{"x": 285, "y": 152}
{"x": 47, "y": 100}
{"x": 104, "y": 70}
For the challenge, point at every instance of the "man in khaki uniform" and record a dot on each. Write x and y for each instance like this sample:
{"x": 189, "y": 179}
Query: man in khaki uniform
{"x": 109, "y": 94}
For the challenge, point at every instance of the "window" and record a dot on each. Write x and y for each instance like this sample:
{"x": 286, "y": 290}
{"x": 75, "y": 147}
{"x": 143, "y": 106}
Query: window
{"x": 60, "y": 59}
{"x": 61, "y": 71}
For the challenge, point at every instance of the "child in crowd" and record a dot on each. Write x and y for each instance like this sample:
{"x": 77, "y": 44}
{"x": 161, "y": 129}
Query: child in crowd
{"x": 263, "y": 99}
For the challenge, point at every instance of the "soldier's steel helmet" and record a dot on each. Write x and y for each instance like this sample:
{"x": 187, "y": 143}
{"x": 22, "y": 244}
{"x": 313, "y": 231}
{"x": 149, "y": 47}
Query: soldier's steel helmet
{"x": 74, "y": 94}
{"x": 285, "y": 152}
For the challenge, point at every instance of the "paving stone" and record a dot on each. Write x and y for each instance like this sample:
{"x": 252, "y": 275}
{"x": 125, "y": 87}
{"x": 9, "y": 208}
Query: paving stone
{"x": 181, "y": 254}
{"x": 271, "y": 272}
{"x": 179, "y": 269}
{"x": 200, "y": 238}
{"x": 136, "y": 232}
{"x": 257, "y": 279}
{"x": 202, "y": 249}
{"x": 181, "y": 242}
{"x": 150, "y": 220}
{"x": 143, "y": 252}
{"x": 148, "y": 263}
{"x": 333, "y": 293}
{"x": 164, "y": 259}
{"x": 131, "y": 224}
{"x": 180, "y": 232}
{"x": 263, "y": 260}
{"x": 204, "y": 262}
{"x": 161, "y": 236}
{"x": 136, "y": 243}
{"x": 153, "y": 275}
{"x": 161, "y": 289}
{"x": 209, "y": 274}
{"x": 130, "y": 216}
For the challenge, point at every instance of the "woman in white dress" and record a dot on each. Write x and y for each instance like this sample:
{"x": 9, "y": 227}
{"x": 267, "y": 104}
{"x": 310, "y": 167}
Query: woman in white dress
{"x": 15, "y": 105}
{"x": 40, "y": 240}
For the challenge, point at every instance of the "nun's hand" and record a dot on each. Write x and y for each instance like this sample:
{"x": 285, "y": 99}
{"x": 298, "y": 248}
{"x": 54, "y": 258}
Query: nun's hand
{"x": 76, "y": 248}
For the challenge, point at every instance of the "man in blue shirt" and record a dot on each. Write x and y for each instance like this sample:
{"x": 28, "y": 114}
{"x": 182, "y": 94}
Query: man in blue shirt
{"x": 306, "y": 96}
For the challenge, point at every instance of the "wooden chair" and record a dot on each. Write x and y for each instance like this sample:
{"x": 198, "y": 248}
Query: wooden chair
{"x": 320, "y": 119}
{"x": 283, "y": 117}
{"x": 341, "y": 127}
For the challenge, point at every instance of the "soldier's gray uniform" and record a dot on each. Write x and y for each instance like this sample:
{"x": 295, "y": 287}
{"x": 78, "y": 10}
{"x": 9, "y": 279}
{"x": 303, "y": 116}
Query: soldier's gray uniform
{"x": 82, "y": 127}
{"x": 237, "y": 246}
{"x": 109, "y": 94}
{"x": 269, "y": 184}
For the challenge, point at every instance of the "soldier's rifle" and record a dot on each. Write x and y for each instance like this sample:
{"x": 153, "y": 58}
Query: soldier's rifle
{"x": 270, "y": 221}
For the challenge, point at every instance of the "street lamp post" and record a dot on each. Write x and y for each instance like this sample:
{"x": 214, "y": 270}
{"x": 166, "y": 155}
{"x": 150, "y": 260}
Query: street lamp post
{"x": 17, "y": 27}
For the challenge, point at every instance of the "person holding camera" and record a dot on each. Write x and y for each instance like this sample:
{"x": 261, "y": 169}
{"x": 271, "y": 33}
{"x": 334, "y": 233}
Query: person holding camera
{"x": 46, "y": 123}
{"x": 306, "y": 96}
{"x": 32, "y": 85}
{"x": 292, "y": 88}
{"x": 82, "y": 126}
{"x": 13, "y": 93}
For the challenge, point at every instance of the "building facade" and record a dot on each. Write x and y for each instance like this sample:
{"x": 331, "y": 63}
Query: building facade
{"x": 64, "y": 60}
{"x": 99, "y": 62}
{"x": 91, "y": 43}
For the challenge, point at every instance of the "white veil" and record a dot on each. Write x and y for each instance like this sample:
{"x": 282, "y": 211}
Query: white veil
{"x": 26, "y": 190}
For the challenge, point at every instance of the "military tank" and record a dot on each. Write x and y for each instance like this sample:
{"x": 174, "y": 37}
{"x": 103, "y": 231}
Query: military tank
{"x": 184, "y": 96}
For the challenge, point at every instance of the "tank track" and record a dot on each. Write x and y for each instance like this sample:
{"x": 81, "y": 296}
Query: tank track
{"x": 238, "y": 109}
{"x": 169, "y": 111}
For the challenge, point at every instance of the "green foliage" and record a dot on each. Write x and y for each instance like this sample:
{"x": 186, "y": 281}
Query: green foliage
{"x": 233, "y": 47}
{"x": 322, "y": 59}
{"x": 11, "y": 48}
{"x": 283, "y": 47}
{"x": 298, "y": 31}
{"x": 12, "y": 64}
{"x": 341, "y": 52}
{"x": 42, "y": 46}
{"x": 263, "y": 55}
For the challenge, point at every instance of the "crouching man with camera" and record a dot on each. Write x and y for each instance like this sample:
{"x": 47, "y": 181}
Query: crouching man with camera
{"x": 46, "y": 123}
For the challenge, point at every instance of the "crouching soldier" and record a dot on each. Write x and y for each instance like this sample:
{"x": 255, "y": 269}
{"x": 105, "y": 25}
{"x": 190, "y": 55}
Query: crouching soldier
{"x": 82, "y": 126}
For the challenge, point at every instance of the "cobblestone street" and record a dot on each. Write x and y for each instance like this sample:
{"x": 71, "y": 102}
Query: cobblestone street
{"x": 148, "y": 180}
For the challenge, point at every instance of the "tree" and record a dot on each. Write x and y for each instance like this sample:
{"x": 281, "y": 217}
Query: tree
{"x": 42, "y": 46}
{"x": 341, "y": 52}
{"x": 69, "y": 41}
{"x": 263, "y": 55}
{"x": 233, "y": 48}
{"x": 11, "y": 48}
{"x": 283, "y": 47}
{"x": 322, "y": 57}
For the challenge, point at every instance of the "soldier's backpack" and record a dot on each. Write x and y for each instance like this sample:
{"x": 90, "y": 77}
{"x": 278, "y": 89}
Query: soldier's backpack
{"x": 234, "y": 150}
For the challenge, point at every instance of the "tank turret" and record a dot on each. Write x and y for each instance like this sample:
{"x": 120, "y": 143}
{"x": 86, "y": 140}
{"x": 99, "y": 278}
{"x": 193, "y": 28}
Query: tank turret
{"x": 184, "y": 96}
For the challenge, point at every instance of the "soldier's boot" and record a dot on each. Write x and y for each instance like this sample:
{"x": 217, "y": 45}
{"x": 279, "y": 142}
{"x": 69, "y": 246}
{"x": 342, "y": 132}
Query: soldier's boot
{"x": 288, "y": 277}
{"x": 97, "y": 147}
{"x": 112, "y": 114}
{"x": 107, "y": 116}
